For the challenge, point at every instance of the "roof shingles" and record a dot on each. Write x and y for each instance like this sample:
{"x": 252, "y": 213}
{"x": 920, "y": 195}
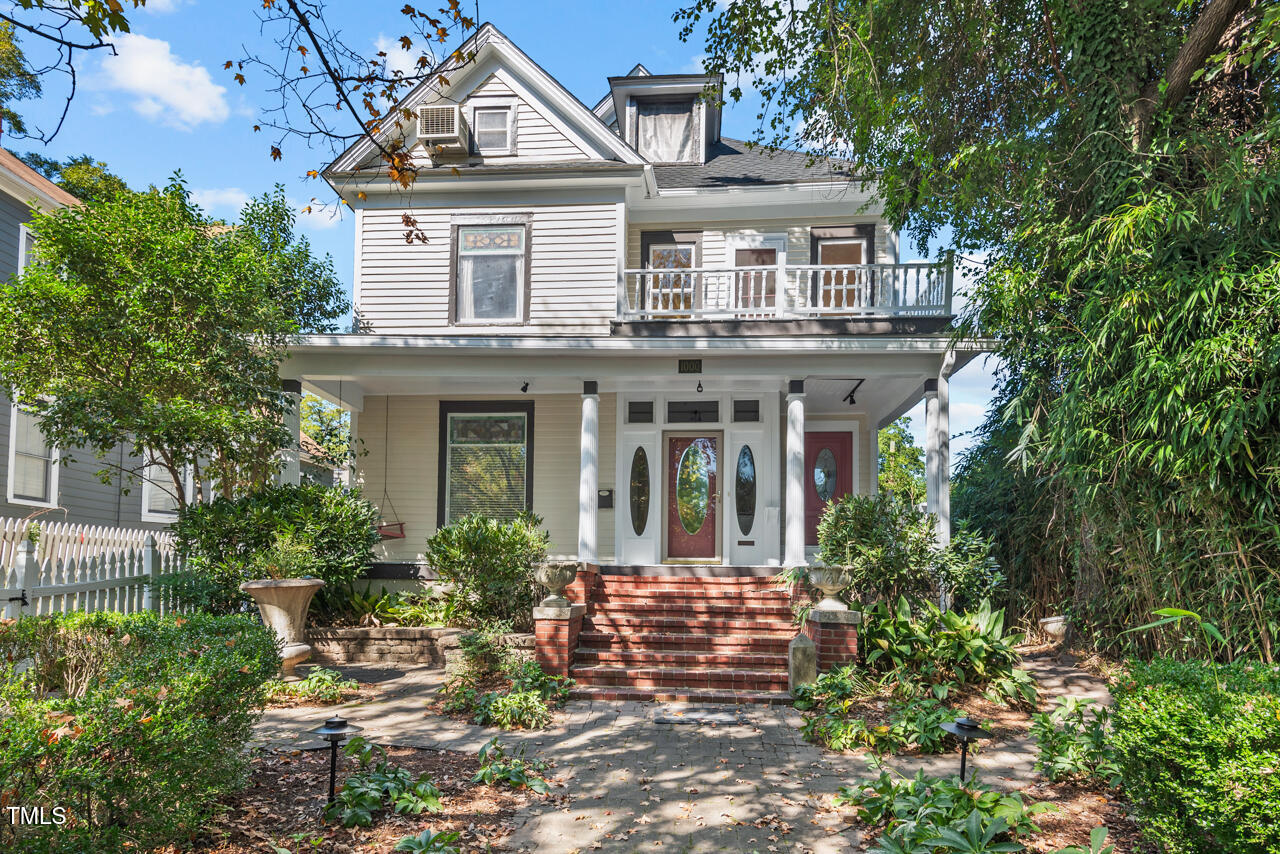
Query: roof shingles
{"x": 730, "y": 163}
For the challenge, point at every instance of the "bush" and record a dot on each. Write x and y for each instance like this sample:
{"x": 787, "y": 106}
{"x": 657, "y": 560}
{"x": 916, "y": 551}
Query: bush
{"x": 320, "y": 686}
{"x": 940, "y": 814}
{"x": 968, "y": 570}
{"x": 135, "y": 724}
{"x": 1074, "y": 744}
{"x": 916, "y": 724}
{"x": 1201, "y": 764}
{"x": 490, "y": 565}
{"x": 886, "y": 542}
{"x": 225, "y": 541}
{"x": 523, "y": 694}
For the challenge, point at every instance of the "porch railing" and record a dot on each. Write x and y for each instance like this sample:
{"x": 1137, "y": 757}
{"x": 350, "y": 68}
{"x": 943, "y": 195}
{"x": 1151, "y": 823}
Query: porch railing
{"x": 788, "y": 292}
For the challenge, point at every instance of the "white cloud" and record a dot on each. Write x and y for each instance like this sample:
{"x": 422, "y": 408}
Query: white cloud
{"x": 225, "y": 198}
{"x": 182, "y": 95}
{"x": 397, "y": 59}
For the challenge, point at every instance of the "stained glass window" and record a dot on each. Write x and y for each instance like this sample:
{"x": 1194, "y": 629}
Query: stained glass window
{"x": 491, "y": 272}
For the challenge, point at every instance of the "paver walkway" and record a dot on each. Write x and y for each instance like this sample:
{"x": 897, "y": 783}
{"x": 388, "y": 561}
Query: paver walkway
{"x": 644, "y": 777}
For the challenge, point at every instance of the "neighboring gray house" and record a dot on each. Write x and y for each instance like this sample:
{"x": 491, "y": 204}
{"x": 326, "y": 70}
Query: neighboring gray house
{"x": 37, "y": 479}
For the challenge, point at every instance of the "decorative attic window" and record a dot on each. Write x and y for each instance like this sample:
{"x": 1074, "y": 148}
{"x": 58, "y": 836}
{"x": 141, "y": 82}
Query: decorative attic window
{"x": 493, "y": 131}
{"x": 666, "y": 131}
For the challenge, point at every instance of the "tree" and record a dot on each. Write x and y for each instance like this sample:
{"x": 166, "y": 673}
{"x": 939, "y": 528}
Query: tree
{"x": 143, "y": 322}
{"x": 17, "y": 81}
{"x": 329, "y": 426}
{"x": 83, "y": 177}
{"x": 901, "y": 462}
{"x": 1118, "y": 164}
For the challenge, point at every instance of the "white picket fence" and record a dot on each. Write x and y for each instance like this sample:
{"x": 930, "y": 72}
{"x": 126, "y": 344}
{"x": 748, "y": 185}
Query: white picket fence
{"x": 109, "y": 573}
{"x": 64, "y": 541}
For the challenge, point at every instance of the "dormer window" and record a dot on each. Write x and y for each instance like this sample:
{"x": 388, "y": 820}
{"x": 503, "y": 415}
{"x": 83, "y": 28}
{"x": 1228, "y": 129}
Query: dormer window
{"x": 666, "y": 131}
{"x": 493, "y": 131}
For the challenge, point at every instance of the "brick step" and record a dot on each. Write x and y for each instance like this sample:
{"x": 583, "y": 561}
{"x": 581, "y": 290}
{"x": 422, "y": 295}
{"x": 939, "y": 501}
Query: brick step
{"x": 688, "y": 608}
{"x": 662, "y": 594}
{"x": 593, "y": 638}
{"x": 641, "y": 582}
{"x": 681, "y": 695}
{"x": 681, "y": 658}
{"x": 767, "y": 627}
{"x": 723, "y": 679}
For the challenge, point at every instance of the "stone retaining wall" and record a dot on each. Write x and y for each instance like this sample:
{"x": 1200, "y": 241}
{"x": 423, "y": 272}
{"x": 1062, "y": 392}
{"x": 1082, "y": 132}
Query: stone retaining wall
{"x": 392, "y": 645}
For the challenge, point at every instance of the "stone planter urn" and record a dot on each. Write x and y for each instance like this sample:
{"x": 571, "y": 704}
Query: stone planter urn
{"x": 830, "y": 580}
{"x": 283, "y": 604}
{"x": 1054, "y": 627}
{"x": 555, "y": 575}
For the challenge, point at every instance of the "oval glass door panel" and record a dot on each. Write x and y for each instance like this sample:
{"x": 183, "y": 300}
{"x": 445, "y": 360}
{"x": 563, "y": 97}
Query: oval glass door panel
{"x": 744, "y": 489}
{"x": 639, "y": 491}
{"x": 693, "y": 488}
{"x": 824, "y": 474}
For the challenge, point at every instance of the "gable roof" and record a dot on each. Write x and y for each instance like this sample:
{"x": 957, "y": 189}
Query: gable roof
{"x": 26, "y": 184}
{"x": 730, "y": 163}
{"x": 489, "y": 40}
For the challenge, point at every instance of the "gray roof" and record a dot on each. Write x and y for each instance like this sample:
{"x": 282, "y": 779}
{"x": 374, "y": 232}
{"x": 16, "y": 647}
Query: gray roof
{"x": 731, "y": 164}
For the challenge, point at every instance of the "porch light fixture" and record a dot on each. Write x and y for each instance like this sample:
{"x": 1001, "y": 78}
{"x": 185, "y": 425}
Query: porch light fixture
{"x": 525, "y": 387}
{"x": 335, "y": 731}
{"x": 699, "y": 386}
{"x": 967, "y": 730}
{"x": 848, "y": 398}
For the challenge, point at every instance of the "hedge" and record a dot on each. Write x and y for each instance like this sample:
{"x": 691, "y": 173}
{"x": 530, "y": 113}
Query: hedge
{"x": 133, "y": 725}
{"x": 1202, "y": 764}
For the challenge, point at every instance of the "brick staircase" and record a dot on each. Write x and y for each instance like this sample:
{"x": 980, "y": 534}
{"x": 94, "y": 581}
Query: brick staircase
{"x": 684, "y": 638}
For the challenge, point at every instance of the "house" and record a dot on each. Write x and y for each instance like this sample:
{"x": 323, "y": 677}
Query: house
{"x": 39, "y": 479}
{"x": 672, "y": 347}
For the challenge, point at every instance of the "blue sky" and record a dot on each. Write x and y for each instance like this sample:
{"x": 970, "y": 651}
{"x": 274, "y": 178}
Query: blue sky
{"x": 166, "y": 104}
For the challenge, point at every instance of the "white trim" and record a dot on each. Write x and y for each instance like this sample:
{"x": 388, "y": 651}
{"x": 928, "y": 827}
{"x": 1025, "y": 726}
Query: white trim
{"x": 24, "y": 236}
{"x": 55, "y": 455}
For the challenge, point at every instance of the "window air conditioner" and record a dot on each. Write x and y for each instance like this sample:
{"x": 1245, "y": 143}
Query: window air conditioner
{"x": 444, "y": 129}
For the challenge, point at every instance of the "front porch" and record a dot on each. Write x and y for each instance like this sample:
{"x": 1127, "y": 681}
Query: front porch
{"x": 713, "y": 452}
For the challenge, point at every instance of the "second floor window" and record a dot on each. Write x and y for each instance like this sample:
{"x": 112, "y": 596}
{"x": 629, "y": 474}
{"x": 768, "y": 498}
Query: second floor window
{"x": 33, "y": 462}
{"x": 491, "y": 273}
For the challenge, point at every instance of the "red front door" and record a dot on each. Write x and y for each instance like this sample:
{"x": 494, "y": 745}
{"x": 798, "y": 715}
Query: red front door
{"x": 692, "y": 496}
{"x": 828, "y": 475}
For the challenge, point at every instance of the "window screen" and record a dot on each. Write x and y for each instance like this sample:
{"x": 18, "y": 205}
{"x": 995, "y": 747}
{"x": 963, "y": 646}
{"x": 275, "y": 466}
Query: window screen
{"x": 493, "y": 129}
{"x": 487, "y": 464}
{"x": 491, "y": 272}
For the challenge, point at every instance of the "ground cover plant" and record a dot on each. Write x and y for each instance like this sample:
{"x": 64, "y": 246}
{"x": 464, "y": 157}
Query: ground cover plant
{"x": 134, "y": 724}
{"x": 320, "y": 686}
{"x": 495, "y": 685}
{"x": 378, "y": 785}
{"x": 498, "y": 767}
{"x": 488, "y": 565}
{"x": 1073, "y": 743}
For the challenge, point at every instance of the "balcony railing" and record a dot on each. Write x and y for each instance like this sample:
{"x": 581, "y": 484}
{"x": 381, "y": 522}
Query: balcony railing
{"x": 790, "y": 292}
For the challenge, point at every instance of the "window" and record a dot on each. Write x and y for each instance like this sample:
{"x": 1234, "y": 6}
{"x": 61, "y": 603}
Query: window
{"x": 842, "y": 248}
{"x": 640, "y": 412}
{"x": 665, "y": 131}
{"x": 841, "y": 251}
{"x": 487, "y": 464}
{"x": 693, "y": 412}
{"x": 26, "y": 243}
{"x": 159, "y": 497}
{"x": 492, "y": 273}
{"x": 669, "y": 250}
{"x": 746, "y": 410}
{"x": 493, "y": 131}
{"x": 33, "y": 462}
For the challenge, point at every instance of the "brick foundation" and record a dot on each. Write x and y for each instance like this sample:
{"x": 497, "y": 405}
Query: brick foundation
{"x": 392, "y": 645}
{"x": 835, "y": 634}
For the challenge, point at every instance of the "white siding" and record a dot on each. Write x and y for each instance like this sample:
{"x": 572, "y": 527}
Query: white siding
{"x": 409, "y": 425}
{"x": 404, "y": 287}
{"x": 536, "y": 137}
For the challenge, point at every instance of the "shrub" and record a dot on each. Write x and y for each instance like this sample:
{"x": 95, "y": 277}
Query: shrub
{"x": 225, "y": 541}
{"x": 1072, "y": 742}
{"x": 490, "y": 566}
{"x": 136, "y": 724}
{"x": 915, "y": 724}
{"x": 832, "y": 687}
{"x": 968, "y": 570}
{"x": 940, "y": 814}
{"x": 527, "y": 693}
{"x": 886, "y": 543}
{"x": 1200, "y": 764}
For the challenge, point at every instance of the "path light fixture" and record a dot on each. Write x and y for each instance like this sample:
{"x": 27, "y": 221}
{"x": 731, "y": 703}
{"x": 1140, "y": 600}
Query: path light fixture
{"x": 335, "y": 731}
{"x": 967, "y": 730}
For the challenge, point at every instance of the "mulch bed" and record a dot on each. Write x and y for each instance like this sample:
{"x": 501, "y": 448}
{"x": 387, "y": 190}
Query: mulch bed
{"x": 1080, "y": 810}
{"x": 288, "y": 789}
{"x": 367, "y": 691}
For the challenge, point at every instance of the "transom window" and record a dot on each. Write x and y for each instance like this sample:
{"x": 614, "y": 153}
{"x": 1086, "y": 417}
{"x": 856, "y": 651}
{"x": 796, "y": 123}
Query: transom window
{"x": 492, "y": 127}
{"x": 33, "y": 462}
{"x": 840, "y": 251}
{"x": 491, "y": 273}
{"x": 486, "y": 465}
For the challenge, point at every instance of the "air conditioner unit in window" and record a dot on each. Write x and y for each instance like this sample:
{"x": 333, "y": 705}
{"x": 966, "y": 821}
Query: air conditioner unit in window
{"x": 444, "y": 129}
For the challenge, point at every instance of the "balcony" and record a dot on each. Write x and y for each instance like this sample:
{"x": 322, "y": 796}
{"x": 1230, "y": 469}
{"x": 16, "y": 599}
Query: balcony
{"x": 788, "y": 293}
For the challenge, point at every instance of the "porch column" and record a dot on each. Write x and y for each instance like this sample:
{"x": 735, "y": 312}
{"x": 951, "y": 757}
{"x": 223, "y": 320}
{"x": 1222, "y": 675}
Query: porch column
{"x": 937, "y": 456}
{"x": 589, "y": 476}
{"x": 793, "y": 549}
{"x": 291, "y": 471}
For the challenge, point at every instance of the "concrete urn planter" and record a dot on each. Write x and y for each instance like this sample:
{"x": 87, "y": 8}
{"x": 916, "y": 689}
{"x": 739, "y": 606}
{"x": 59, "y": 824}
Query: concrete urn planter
{"x": 555, "y": 575}
{"x": 1054, "y": 627}
{"x": 830, "y": 580}
{"x": 283, "y": 604}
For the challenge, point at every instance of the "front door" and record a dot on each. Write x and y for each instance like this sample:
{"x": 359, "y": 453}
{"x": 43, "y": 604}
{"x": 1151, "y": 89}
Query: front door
{"x": 693, "y": 462}
{"x": 828, "y": 472}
